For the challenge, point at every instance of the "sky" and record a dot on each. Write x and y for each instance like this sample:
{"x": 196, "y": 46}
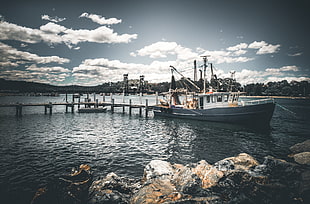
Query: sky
{"x": 97, "y": 41}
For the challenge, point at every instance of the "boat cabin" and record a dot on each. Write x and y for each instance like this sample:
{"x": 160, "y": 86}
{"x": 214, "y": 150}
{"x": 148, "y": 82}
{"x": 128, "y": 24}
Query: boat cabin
{"x": 218, "y": 99}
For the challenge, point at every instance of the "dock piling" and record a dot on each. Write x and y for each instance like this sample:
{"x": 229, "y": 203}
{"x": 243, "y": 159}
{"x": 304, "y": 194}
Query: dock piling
{"x": 146, "y": 108}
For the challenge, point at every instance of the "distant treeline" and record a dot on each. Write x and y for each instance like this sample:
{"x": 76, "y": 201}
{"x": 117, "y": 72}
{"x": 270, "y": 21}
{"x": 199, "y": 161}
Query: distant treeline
{"x": 283, "y": 88}
{"x": 7, "y": 86}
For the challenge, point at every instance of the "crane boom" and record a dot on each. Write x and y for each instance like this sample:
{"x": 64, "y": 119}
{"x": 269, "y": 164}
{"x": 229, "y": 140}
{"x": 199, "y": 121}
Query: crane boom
{"x": 174, "y": 69}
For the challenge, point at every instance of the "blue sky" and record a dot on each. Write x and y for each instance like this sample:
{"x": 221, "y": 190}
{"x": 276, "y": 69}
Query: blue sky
{"x": 93, "y": 42}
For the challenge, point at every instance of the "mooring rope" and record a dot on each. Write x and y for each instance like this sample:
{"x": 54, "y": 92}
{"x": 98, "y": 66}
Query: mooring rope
{"x": 286, "y": 109}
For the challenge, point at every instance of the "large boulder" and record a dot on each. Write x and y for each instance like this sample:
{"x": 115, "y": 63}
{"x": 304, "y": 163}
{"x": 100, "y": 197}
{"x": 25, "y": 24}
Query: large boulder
{"x": 302, "y": 158}
{"x": 301, "y": 147}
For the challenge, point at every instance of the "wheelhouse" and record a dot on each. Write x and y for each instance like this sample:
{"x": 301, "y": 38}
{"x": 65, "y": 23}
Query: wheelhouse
{"x": 218, "y": 99}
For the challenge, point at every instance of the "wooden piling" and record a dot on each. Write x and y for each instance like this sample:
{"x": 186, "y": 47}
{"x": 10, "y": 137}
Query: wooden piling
{"x": 112, "y": 105}
{"x": 19, "y": 109}
{"x": 50, "y": 107}
{"x": 130, "y": 107}
{"x": 146, "y": 108}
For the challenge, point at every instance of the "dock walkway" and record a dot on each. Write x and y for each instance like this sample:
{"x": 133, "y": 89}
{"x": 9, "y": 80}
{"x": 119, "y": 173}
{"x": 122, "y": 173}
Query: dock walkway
{"x": 49, "y": 106}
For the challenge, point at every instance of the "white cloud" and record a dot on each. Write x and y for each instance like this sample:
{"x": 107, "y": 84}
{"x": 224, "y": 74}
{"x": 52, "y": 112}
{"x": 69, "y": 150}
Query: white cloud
{"x": 163, "y": 49}
{"x": 12, "y": 56}
{"x": 52, "y": 33}
{"x": 53, "y": 28}
{"x": 264, "y": 48}
{"x": 104, "y": 70}
{"x": 100, "y": 19}
{"x": 238, "y": 47}
{"x": 49, "y": 70}
{"x": 55, "y": 19}
{"x": 247, "y": 76}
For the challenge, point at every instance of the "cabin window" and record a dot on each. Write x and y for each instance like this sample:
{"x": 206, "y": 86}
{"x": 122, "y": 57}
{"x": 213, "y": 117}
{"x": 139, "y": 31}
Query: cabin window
{"x": 219, "y": 98}
{"x": 208, "y": 99}
{"x": 213, "y": 99}
{"x": 201, "y": 103}
{"x": 225, "y": 98}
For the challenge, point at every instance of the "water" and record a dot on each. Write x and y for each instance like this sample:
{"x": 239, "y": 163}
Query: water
{"x": 36, "y": 147}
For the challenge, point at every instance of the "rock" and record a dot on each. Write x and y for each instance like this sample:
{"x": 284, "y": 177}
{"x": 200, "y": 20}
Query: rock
{"x": 241, "y": 162}
{"x": 301, "y": 147}
{"x": 66, "y": 189}
{"x": 113, "y": 189}
{"x": 158, "y": 169}
{"x": 302, "y": 158}
{"x": 208, "y": 174}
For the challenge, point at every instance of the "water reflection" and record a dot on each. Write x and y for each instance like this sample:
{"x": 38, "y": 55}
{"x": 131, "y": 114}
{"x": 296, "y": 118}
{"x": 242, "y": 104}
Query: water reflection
{"x": 191, "y": 141}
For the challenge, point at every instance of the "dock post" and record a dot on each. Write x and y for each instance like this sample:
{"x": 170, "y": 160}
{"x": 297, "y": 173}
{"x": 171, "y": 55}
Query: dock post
{"x": 129, "y": 106}
{"x": 156, "y": 97}
{"x": 79, "y": 101}
{"x": 50, "y": 107}
{"x": 66, "y": 108}
{"x": 97, "y": 103}
{"x": 140, "y": 111}
{"x": 94, "y": 99}
{"x": 112, "y": 105}
{"x": 66, "y": 98}
{"x": 19, "y": 109}
{"x": 146, "y": 107}
{"x": 103, "y": 97}
{"x": 123, "y": 102}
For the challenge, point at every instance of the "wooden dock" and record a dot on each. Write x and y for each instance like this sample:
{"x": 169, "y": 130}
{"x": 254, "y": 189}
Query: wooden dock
{"x": 48, "y": 107}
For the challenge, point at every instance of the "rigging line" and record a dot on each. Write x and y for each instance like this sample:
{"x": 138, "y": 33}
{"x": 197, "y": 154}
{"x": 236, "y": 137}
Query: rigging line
{"x": 286, "y": 109}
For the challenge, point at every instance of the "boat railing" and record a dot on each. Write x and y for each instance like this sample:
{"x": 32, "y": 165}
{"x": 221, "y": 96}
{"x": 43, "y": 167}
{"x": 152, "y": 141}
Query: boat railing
{"x": 258, "y": 101}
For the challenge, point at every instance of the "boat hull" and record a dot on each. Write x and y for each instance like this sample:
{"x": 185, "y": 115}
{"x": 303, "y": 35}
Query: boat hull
{"x": 251, "y": 114}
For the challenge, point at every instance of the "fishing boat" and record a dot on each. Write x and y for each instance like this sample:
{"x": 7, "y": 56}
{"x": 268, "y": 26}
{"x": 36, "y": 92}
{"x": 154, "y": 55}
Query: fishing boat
{"x": 214, "y": 106}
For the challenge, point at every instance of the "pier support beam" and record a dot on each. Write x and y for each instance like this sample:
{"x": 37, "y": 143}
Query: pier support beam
{"x": 50, "y": 107}
{"x": 19, "y": 109}
{"x": 146, "y": 107}
{"x": 130, "y": 107}
{"x": 112, "y": 105}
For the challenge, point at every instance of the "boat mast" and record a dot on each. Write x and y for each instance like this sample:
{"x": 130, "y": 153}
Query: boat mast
{"x": 205, "y": 60}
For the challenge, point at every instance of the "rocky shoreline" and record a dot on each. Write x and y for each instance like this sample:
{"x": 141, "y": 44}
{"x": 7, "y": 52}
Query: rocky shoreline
{"x": 239, "y": 179}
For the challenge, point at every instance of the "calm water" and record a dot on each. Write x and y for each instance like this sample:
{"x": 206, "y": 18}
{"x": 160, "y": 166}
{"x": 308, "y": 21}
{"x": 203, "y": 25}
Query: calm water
{"x": 36, "y": 147}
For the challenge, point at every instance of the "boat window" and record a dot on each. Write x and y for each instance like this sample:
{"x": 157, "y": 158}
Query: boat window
{"x": 201, "y": 103}
{"x": 219, "y": 98}
{"x": 225, "y": 98}
{"x": 208, "y": 99}
{"x": 213, "y": 99}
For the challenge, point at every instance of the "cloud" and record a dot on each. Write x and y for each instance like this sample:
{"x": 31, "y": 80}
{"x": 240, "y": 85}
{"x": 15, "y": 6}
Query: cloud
{"x": 100, "y": 19}
{"x": 104, "y": 70}
{"x": 36, "y": 74}
{"x": 292, "y": 68}
{"x": 264, "y": 48}
{"x": 295, "y": 54}
{"x": 162, "y": 49}
{"x": 12, "y": 57}
{"x": 49, "y": 70}
{"x": 52, "y": 33}
{"x": 247, "y": 76}
{"x": 53, "y": 19}
{"x": 237, "y": 47}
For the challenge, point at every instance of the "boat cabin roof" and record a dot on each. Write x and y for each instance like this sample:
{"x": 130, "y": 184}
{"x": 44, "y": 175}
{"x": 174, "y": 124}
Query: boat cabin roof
{"x": 221, "y": 93}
